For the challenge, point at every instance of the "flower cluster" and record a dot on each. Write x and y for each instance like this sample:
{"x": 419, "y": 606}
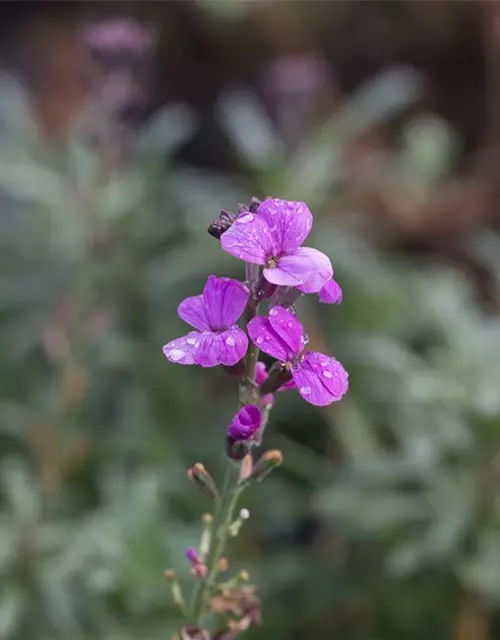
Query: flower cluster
{"x": 268, "y": 236}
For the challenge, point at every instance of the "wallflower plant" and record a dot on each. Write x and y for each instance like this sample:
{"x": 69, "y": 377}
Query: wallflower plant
{"x": 268, "y": 237}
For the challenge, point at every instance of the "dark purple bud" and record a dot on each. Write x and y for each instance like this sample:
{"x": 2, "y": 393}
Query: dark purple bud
{"x": 245, "y": 422}
{"x": 236, "y": 449}
{"x": 192, "y": 555}
{"x": 223, "y": 222}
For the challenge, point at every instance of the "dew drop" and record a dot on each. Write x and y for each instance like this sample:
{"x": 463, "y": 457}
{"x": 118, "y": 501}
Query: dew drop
{"x": 305, "y": 390}
{"x": 290, "y": 325}
{"x": 176, "y": 354}
{"x": 273, "y": 312}
{"x": 260, "y": 340}
{"x": 246, "y": 218}
{"x": 324, "y": 363}
{"x": 328, "y": 374}
{"x": 230, "y": 341}
{"x": 191, "y": 340}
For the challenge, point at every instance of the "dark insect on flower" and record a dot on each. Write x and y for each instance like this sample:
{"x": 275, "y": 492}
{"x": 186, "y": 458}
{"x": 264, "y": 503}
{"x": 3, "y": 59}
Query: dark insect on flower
{"x": 222, "y": 224}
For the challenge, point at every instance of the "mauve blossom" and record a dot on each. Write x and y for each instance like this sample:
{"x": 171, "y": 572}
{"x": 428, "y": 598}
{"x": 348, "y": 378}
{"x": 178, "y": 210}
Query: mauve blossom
{"x": 245, "y": 423}
{"x": 214, "y": 313}
{"x": 319, "y": 378}
{"x": 272, "y": 237}
{"x": 192, "y": 555}
{"x": 118, "y": 36}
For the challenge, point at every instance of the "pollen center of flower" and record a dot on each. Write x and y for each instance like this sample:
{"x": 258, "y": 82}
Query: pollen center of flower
{"x": 272, "y": 263}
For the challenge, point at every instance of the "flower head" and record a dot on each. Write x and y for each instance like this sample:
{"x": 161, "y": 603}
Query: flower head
{"x": 214, "y": 313}
{"x": 272, "y": 237}
{"x": 245, "y": 423}
{"x": 319, "y": 378}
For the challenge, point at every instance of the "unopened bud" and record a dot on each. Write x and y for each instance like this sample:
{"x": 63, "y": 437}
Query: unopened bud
{"x": 206, "y": 534}
{"x": 175, "y": 588}
{"x": 269, "y": 461}
{"x": 236, "y": 449}
{"x": 222, "y": 565}
{"x": 235, "y": 527}
{"x": 246, "y": 468}
{"x": 200, "y": 477}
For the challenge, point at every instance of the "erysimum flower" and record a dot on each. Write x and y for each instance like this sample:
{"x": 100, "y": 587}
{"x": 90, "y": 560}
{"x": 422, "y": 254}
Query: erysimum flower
{"x": 214, "y": 313}
{"x": 272, "y": 237}
{"x": 319, "y": 378}
{"x": 245, "y": 423}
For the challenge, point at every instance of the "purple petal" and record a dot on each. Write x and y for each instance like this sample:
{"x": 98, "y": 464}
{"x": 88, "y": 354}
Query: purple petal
{"x": 305, "y": 266}
{"x": 180, "y": 351}
{"x": 331, "y": 293}
{"x": 233, "y": 345}
{"x": 321, "y": 273}
{"x": 265, "y": 337}
{"x": 288, "y": 328}
{"x": 245, "y": 422}
{"x": 192, "y": 311}
{"x": 289, "y": 222}
{"x": 320, "y": 379}
{"x": 227, "y": 347}
{"x": 249, "y": 239}
{"x": 225, "y": 300}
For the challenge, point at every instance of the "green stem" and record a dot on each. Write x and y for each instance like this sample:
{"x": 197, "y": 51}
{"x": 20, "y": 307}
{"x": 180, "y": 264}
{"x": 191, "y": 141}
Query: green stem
{"x": 224, "y": 516}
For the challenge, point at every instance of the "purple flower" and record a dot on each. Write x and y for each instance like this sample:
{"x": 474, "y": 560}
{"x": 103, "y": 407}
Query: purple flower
{"x": 272, "y": 237}
{"x": 118, "y": 35}
{"x": 245, "y": 423}
{"x": 218, "y": 339}
{"x": 320, "y": 379}
{"x": 261, "y": 376}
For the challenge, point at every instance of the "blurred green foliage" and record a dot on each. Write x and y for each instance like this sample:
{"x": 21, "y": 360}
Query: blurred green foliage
{"x": 384, "y": 521}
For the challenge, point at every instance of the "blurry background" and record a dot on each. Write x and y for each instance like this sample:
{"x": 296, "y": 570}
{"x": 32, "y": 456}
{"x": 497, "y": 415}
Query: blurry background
{"x": 124, "y": 128}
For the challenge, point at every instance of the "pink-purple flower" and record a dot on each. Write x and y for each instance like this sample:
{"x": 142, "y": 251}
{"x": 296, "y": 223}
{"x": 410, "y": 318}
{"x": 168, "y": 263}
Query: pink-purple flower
{"x": 331, "y": 293}
{"x": 245, "y": 423}
{"x": 273, "y": 237}
{"x": 319, "y": 378}
{"x": 214, "y": 314}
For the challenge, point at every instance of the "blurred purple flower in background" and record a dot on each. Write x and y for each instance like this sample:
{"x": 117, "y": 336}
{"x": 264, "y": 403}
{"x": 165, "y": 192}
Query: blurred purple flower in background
{"x": 118, "y": 37}
{"x": 319, "y": 378}
{"x": 214, "y": 313}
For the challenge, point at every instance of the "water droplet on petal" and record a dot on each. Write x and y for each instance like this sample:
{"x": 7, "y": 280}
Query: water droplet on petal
{"x": 273, "y": 312}
{"x": 191, "y": 340}
{"x": 289, "y": 325}
{"x": 328, "y": 374}
{"x": 246, "y": 218}
{"x": 260, "y": 340}
{"x": 324, "y": 363}
{"x": 176, "y": 354}
{"x": 305, "y": 390}
{"x": 230, "y": 341}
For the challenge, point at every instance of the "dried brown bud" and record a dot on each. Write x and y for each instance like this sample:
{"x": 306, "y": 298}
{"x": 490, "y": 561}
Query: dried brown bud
{"x": 221, "y": 224}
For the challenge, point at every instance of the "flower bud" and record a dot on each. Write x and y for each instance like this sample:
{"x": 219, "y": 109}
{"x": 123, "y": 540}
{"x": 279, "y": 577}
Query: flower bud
{"x": 268, "y": 461}
{"x": 200, "y": 477}
{"x": 236, "y": 449}
{"x": 245, "y": 423}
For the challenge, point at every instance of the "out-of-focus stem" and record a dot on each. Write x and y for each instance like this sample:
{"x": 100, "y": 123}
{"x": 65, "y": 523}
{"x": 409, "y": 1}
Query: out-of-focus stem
{"x": 223, "y": 519}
